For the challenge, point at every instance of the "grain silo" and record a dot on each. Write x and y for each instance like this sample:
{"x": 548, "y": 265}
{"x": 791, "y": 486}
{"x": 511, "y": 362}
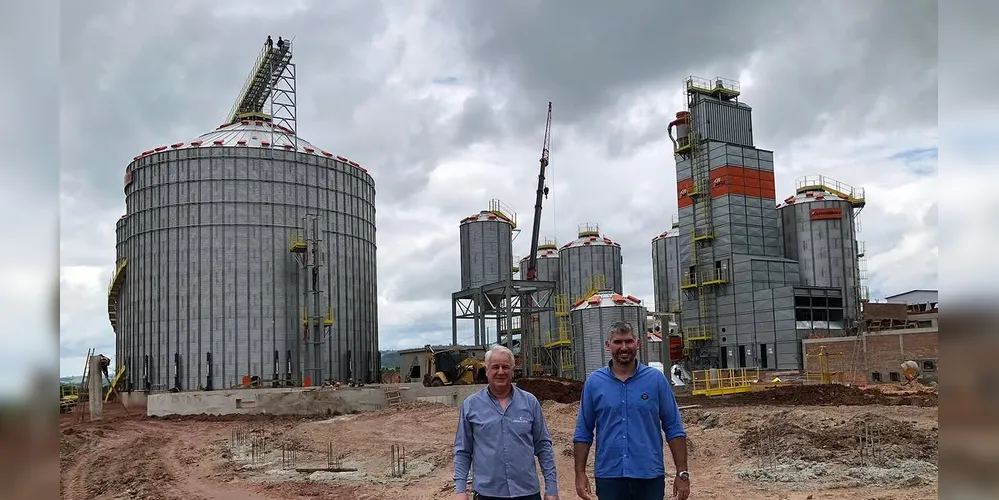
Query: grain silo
{"x": 486, "y": 248}
{"x": 248, "y": 253}
{"x": 666, "y": 271}
{"x": 591, "y": 320}
{"x": 590, "y": 262}
{"x": 543, "y": 324}
{"x": 819, "y": 232}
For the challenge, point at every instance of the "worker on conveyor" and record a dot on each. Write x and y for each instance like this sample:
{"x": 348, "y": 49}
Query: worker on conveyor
{"x": 280, "y": 43}
{"x": 270, "y": 43}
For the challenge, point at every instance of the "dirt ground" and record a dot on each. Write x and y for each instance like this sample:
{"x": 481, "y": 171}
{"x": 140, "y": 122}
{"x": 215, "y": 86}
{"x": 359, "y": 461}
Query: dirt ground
{"x": 785, "y": 443}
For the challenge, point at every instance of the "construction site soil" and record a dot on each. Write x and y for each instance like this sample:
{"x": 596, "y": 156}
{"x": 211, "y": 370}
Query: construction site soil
{"x": 563, "y": 390}
{"x": 750, "y": 450}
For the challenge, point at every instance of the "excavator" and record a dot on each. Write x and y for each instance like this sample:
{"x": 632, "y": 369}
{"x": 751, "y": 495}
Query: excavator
{"x": 452, "y": 367}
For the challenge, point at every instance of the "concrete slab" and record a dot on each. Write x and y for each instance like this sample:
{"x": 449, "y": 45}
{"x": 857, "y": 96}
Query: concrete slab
{"x": 297, "y": 401}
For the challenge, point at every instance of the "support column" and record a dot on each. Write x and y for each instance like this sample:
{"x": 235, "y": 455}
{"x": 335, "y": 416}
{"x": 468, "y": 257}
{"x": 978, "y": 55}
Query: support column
{"x": 94, "y": 389}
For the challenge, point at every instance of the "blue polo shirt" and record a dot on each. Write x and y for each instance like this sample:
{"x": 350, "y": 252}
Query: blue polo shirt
{"x": 630, "y": 418}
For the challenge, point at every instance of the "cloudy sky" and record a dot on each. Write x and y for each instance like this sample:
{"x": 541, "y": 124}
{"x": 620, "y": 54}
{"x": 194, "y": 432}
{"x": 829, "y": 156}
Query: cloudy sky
{"x": 446, "y": 108}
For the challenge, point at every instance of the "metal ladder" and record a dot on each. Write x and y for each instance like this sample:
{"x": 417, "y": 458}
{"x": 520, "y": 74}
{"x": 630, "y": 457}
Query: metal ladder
{"x": 83, "y": 394}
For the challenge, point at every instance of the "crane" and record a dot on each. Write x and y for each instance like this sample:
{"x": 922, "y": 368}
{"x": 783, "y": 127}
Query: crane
{"x": 532, "y": 259}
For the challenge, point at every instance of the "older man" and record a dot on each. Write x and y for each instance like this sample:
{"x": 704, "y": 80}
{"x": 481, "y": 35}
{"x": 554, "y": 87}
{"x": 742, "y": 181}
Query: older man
{"x": 631, "y": 405}
{"x": 500, "y": 431}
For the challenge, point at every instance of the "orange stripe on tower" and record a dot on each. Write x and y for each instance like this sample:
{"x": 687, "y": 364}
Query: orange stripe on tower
{"x": 683, "y": 198}
{"x": 737, "y": 179}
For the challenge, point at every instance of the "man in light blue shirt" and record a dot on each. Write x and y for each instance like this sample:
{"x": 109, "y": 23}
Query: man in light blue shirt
{"x": 500, "y": 431}
{"x": 631, "y": 405}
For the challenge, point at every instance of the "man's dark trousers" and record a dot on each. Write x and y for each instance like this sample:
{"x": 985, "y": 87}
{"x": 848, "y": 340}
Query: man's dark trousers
{"x": 627, "y": 488}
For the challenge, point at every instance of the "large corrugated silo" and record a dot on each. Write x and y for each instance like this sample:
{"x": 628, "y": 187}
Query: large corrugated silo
{"x": 819, "y": 232}
{"x": 249, "y": 253}
{"x": 212, "y": 286}
{"x": 591, "y": 320}
{"x": 486, "y": 249}
{"x": 589, "y": 255}
{"x": 666, "y": 271}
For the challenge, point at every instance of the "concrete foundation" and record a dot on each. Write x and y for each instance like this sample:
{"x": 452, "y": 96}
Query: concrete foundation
{"x": 294, "y": 401}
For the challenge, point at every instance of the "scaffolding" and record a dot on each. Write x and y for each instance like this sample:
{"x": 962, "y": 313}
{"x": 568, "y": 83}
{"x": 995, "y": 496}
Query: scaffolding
{"x": 306, "y": 245}
{"x": 502, "y": 302}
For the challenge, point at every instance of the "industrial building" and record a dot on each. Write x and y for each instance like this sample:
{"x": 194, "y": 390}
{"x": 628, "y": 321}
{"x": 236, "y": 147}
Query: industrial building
{"x": 755, "y": 278}
{"x": 246, "y": 254}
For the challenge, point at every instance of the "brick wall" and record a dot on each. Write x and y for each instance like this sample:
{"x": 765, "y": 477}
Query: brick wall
{"x": 885, "y": 352}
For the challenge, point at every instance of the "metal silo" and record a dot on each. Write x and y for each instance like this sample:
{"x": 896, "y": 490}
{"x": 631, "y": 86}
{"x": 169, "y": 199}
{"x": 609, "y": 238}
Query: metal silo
{"x": 819, "y": 231}
{"x": 543, "y": 324}
{"x": 591, "y": 321}
{"x": 212, "y": 286}
{"x": 589, "y": 255}
{"x": 666, "y": 271}
{"x": 486, "y": 248}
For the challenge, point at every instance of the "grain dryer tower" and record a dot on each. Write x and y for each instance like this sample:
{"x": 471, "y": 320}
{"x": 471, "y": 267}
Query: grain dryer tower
{"x": 819, "y": 228}
{"x": 591, "y": 320}
{"x": 247, "y": 254}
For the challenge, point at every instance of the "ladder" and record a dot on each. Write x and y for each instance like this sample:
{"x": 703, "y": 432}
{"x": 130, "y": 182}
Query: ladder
{"x": 84, "y": 393}
{"x": 392, "y": 395}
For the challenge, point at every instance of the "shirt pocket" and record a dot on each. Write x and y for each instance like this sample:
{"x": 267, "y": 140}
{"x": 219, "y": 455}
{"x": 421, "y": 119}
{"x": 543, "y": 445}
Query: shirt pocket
{"x": 522, "y": 423}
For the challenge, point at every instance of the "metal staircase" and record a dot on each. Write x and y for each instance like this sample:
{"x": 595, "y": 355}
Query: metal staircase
{"x": 117, "y": 280}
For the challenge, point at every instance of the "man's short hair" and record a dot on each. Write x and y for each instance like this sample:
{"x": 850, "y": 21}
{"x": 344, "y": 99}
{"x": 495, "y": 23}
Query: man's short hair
{"x": 500, "y": 349}
{"x": 620, "y": 327}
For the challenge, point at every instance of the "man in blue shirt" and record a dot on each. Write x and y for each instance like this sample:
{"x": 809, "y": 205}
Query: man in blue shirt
{"x": 500, "y": 431}
{"x": 631, "y": 405}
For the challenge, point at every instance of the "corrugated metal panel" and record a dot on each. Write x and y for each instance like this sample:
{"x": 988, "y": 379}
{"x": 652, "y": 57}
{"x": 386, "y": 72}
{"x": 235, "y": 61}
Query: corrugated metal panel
{"x": 729, "y": 122}
{"x": 590, "y": 326}
{"x": 486, "y": 250}
{"x": 209, "y": 267}
{"x": 666, "y": 270}
{"x": 548, "y": 270}
{"x": 826, "y": 250}
{"x": 579, "y": 260}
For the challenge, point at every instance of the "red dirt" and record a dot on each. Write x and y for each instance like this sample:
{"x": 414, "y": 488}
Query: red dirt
{"x": 816, "y": 395}
{"x": 564, "y": 390}
{"x": 560, "y": 390}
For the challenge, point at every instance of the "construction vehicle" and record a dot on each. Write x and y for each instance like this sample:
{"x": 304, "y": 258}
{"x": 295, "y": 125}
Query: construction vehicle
{"x": 453, "y": 366}
{"x": 910, "y": 370}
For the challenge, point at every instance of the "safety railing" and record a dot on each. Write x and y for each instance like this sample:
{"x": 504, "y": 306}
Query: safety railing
{"x": 503, "y": 211}
{"x": 829, "y": 185}
{"x": 716, "y": 277}
{"x": 698, "y": 332}
{"x": 688, "y": 280}
{"x": 719, "y": 381}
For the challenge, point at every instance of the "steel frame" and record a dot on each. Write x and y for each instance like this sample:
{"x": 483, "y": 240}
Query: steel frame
{"x": 503, "y": 300}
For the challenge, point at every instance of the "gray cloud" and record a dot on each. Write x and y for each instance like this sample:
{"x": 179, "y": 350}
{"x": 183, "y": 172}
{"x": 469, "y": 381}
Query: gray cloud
{"x": 445, "y": 106}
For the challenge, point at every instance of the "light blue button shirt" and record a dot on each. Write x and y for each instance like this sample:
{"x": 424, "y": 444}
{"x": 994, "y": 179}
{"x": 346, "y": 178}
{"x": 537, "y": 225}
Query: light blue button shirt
{"x": 501, "y": 446}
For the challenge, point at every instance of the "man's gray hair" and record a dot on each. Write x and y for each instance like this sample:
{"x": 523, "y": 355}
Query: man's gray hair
{"x": 499, "y": 349}
{"x": 620, "y": 327}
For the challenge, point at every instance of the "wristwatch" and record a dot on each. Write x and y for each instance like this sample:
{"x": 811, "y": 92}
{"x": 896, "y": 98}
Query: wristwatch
{"x": 683, "y": 475}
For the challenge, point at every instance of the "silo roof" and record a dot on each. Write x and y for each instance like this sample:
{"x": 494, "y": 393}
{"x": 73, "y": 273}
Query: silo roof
{"x": 251, "y": 133}
{"x": 606, "y": 299}
{"x": 589, "y": 239}
{"x": 668, "y": 234}
{"x": 545, "y": 251}
{"x": 809, "y": 197}
{"x": 487, "y": 215}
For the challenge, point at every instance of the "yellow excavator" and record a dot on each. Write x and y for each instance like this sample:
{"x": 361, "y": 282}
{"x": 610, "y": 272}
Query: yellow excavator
{"x": 452, "y": 367}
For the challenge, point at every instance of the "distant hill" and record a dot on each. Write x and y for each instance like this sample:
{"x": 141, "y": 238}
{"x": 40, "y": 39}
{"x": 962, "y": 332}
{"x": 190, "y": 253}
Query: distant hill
{"x": 390, "y": 359}
{"x": 71, "y": 380}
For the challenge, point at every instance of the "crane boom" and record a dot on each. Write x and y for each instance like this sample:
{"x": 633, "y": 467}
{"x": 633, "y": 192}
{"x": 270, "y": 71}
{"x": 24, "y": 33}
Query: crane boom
{"x": 532, "y": 260}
